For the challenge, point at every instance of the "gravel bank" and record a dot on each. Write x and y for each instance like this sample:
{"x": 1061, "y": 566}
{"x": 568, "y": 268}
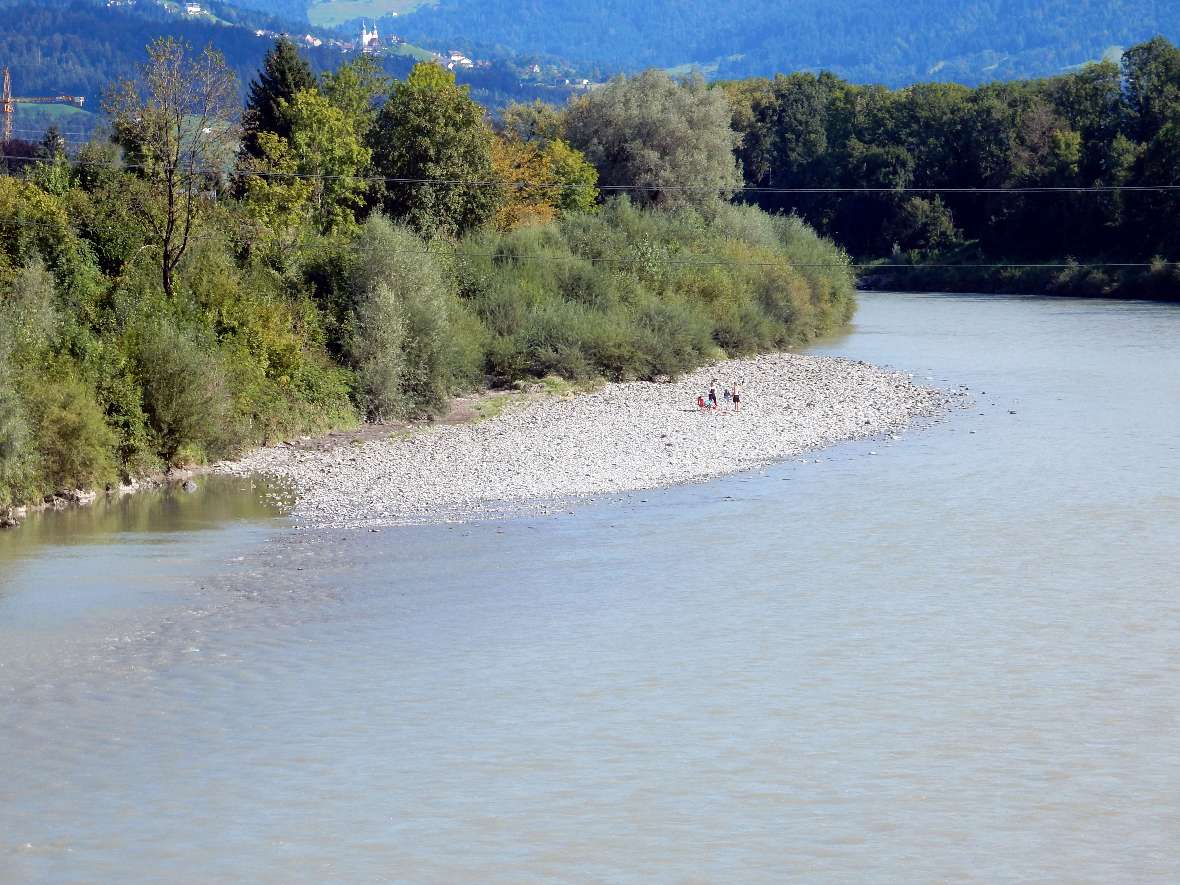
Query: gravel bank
{"x": 623, "y": 437}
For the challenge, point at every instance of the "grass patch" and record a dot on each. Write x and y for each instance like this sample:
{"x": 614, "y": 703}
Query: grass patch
{"x": 337, "y": 12}
{"x": 409, "y": 50}
{"x": 554, "y": 385}
{"x": 492, "y": 407}
{"x": 400, "y": 436}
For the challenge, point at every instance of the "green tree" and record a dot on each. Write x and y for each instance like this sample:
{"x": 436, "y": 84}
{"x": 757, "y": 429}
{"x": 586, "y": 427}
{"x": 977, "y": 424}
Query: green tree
{"x": 185, "y": 391}
{"x": 74, "y": 442}
{"x": 177, "y": 125}
{"x": 328, "y": 154}
{"x": 576, "y": 179}
{"x": 1091, "y": 102}
{"x": 430, "y": 130}
{"x": 785, "y": 142}
{"x": 53, "y": 144}
{"x": 354, "y": 88}
{"x": 927, "y": 120}
{"x": 1161, "y": 165}
{"x": 35, "y": 226}
{"x": 537, "y": 121}
{"x": 28, "y": 309}
{"x": 670, "y": 139}
{"x": 55, "y": 173}
{"x": 863, "y": 221}
{"x": 788, "y": 133}
{"x": 279, "y": 199}
{"x": 1152, "y": 74}
{"x": 16, "y": 451}
{"x": 923, "y": 224}
{"x": 284, "y": 74}
{"x": 97, "y": 164}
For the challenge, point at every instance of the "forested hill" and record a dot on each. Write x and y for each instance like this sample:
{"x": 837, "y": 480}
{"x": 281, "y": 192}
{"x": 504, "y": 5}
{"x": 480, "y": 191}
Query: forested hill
{"x": 967, "y": 41}
{"x": 79, "y": 47}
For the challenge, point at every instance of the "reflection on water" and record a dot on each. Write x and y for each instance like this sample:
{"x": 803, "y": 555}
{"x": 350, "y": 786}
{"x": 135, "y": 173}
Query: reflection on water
{"x": 71, "y": 573}
{"x": 955, "y": 660}
{"x": 157, "y": 513}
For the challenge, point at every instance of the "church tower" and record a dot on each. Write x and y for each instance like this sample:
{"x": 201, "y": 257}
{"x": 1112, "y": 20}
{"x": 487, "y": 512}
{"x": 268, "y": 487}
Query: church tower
{"x": 370, "y": 40}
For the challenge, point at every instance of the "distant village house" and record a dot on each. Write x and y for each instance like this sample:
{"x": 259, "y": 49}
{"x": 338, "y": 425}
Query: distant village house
{"x": 459, "y": 60}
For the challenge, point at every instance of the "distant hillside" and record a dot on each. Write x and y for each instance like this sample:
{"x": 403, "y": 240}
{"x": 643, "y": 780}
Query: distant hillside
{"x": 864, "y": 40}
{"x": 78, "y": 47}
{"x": 326, "y": 13}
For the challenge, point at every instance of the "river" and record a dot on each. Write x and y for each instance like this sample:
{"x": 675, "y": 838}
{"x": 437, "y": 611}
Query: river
{"x": 956, "y": 659}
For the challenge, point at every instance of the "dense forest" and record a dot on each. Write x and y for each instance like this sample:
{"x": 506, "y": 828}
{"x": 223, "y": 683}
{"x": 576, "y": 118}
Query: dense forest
{"x": 966, "y": 41}
{"x": 1103, "y": 126}
{"x": 355, "y": 247}
{"x": 79, "y": 46}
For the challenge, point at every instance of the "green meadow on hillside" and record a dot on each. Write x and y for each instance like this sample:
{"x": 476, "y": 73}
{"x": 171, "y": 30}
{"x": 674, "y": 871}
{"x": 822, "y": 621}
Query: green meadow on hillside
{"x": 329, "y": 13}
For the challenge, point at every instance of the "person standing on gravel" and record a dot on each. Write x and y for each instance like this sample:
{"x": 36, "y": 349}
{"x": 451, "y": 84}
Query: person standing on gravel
{"x": 735, "y": 391}
{"x": 713, "y": 394}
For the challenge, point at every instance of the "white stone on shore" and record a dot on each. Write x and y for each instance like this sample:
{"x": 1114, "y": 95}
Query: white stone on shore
{"x": 621, "y": 438}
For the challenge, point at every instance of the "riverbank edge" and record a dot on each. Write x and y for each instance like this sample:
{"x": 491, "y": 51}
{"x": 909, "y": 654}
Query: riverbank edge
{"x": 461, "y": 409}
{"x": 1064, "y": 279}
{"x": 508, "y": 407}
{"x": 12, "y": 516}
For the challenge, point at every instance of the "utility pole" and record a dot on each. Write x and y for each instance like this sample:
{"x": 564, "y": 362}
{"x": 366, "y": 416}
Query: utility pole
{"x": 8, "y": 103}
{"x": 6, "y": 106}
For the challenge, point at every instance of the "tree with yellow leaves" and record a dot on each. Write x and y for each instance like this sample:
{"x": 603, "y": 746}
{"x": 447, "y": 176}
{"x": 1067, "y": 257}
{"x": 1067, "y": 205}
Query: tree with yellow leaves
{"x": 542, "y": 180}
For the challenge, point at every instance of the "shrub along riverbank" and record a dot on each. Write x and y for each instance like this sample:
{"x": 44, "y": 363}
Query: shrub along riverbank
{"x": 103, "y": 377}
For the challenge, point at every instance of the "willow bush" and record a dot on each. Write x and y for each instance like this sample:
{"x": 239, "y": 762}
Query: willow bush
{"x": 635, "y": 293}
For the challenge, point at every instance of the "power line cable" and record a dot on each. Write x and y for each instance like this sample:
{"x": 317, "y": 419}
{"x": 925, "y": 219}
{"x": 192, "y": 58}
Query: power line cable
{"x": 660, "y": 188}
{"x": 509, "y": 257}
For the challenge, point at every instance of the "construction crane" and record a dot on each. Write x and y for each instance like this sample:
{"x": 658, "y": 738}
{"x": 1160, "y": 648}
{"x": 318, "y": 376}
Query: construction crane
{"x": 8, "y": 103}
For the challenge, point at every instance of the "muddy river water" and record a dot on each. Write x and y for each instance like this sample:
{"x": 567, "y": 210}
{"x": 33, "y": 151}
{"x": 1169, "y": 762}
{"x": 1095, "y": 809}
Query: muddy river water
{"x": 956, "y": 659}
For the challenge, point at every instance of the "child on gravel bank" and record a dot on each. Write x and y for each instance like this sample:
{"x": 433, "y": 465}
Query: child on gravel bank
{"x": 732, "y": 396}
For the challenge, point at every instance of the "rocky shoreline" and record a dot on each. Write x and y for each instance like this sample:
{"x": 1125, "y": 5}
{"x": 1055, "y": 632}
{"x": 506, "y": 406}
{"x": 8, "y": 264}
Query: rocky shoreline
{"x": 622, "y": 437}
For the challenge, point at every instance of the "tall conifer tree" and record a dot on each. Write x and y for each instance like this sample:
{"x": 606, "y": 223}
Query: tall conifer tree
{"x": 285, "y": 73}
